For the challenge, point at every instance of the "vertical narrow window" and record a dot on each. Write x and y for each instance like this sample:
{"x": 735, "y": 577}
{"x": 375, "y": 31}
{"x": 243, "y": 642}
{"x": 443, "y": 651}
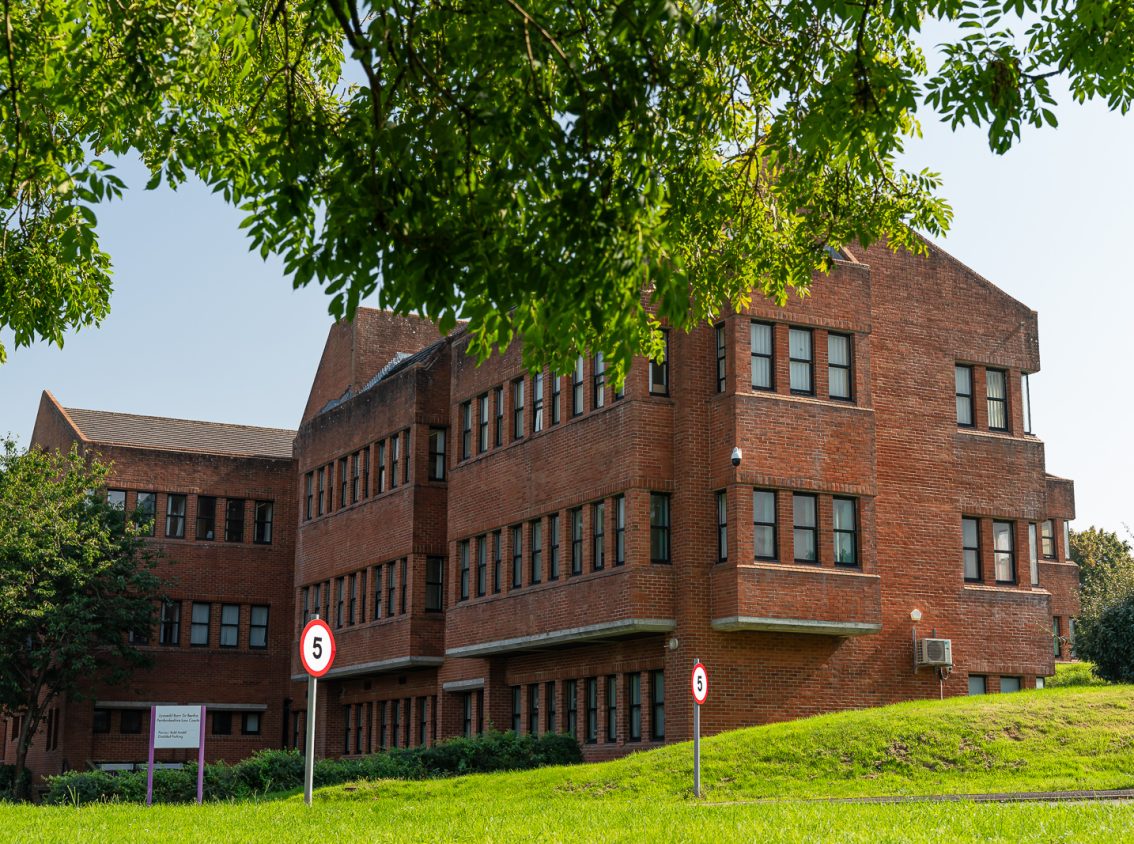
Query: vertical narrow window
{"x": 362, "y": 595}
{"x": 516, "y": 710}
{"x": 482, "y": 424}
{"x": 230, "y": 625}
{"x": 340, "y": 600}
{"x": 234, "y": 520}
{"x": 1033, "y": 554}
{"x": 466, "y": 430}
{"x": 327, "y": 600}
{"x": 659, "y": 370}
{"x": 1026, "y": 400}
{"x": 592, "y": 709}
{"x": 498, "y": 433}
{"x": 620, "y": 530}
{"x": 537, "y": 402}
{"x": 344, "y": 482}
{"x": 963, "y": 376}
{"x": 481, "y": 565}
{"x": 556, "y": 395}
{"x": 1056, "y": 638}
{"x": 996, "y": 383}
{"x": 145, "y": 511}
{"x": 840, "y": 376}
{"x": 657, "y": 705}
{"x": 764, "y": 524}
{"x": 553, "y": 546}
{"x": 322, "y": 491}
{"x": 380, "y": 465}
{"x": 436, "y": 454}
{"x": 391, "y": 589}
{"x": 207, "y": 514}
{"x": 549, "y": 706}
{"x": 355, "y": 478}
{"x": 517, "y": 408}
{"x": 1066, "y": 540}
{"x": 434, "y": 584}
{"x": 611, "y": 709}
{"x": 719, "y": 333}
{"x": 845, "y": 522}
{"x": 1004, "y": 553}
{"x": 722, "y": 526}
{"x": 533, "y": 709}
{"x": 1047, "y": 539}
{"x": 258, "y": 627}
{"x": 175, "y": 516}
{"x": 422, "y": 722}
{"x": 406, "y": 453}
{"x": 395, "y": 459}
{"x": 659, "y": 527}
{"x": 365, "y": 460}
{"x": 577, "y": 387}
{"x": 804, "y": 528}
{"x": 394, "y": 723}
{"x": 634, "y": 707}
{"x": 262, "y": 523}
{"x": 308, "y": 498}
{"x": 315, "y": 590}
{"x": 571, "y": 693}
{"x": 761, "y": 347}
{"x": 970, "y": 542}
{"x": 404, "y": 577}
{"x": 575, "y": 523}
{"x": 800, "y": 358}
{"x": 352, "y": 606}
{"x": 598, "y": 532}
{"x": 537, "y": 551}
{"x": 199, "y": 628}
{"x": 517, "y": 556}
{"x": 497, "y": 562}
{"x": 346, "y": 728}
{"x": 598, "y": 393}
{"x": 466, "y": 714}
{"x": 377, "y": 581}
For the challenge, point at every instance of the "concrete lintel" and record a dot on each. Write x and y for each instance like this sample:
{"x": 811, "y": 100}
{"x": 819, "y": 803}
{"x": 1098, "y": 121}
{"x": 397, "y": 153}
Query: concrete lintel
{"x": 146, "y": 704}
{"x": 463, "y": 685}
{"x": 796, "y": 625}
{"x": 378, "y": 667}
{"x": 569, "y": 636}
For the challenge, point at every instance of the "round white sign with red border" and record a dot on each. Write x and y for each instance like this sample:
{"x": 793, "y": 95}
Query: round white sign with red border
{"x": 700, "y": 683}
{"x": 317, "y": 647}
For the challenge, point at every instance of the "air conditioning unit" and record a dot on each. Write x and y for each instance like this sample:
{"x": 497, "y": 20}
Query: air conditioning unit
{"x": 934, "y": 652}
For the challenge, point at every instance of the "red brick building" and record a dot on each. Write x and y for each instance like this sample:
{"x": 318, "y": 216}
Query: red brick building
{"x": 537, "y": 552}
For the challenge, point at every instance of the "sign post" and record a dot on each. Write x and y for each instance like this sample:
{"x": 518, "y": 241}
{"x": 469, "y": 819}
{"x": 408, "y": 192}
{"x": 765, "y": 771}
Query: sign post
{"x": 177, "y": 726}
{"x": 699, "y": 681}
{"x": 316, "y": 653}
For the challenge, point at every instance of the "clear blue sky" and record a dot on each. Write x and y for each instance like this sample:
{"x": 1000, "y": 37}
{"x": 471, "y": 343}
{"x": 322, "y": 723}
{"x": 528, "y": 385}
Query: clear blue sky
{"x": 201, "y": 328}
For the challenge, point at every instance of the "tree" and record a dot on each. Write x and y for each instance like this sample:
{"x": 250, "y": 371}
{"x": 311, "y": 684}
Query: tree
{"x": 1106, "y": 570}
{"x": 1108, "y": 641}
{"x": 74, "y": 581}
{"x": 567, "y": 172}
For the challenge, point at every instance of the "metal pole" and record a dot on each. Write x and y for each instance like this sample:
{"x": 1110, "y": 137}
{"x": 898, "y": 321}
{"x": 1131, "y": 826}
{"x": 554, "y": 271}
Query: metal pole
{"x": 697, "y": 749}
{"x": 201, "y": 760}
{"x": 309, "y": 761}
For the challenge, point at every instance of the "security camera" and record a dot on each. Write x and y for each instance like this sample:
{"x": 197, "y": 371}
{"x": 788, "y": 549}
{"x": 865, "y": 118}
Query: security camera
{"x": 736, "y": 455}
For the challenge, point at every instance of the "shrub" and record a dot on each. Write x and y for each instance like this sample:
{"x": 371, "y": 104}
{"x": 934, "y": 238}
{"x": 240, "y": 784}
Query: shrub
{"x": 1074, "y": 674}
{"x": 7, "y": 776}
{"x": 1107, "y": 640}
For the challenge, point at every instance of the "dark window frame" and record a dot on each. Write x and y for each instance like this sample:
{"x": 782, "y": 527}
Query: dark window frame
{"x": 797, "y": 528}
{"x": 434, "y": 584}
{"x": 537, "y": 402}
{"x": 466, "y": 430}
{"x": 463, "y": 570}
{"x": 207, "y": 517}
{"x": 482, "y": 565}
{"x": 517, "y": 532}
{"x": 577, "y": 408}
{"x": 660, "y": 550}
{"x": 263, "y": 515}
{"x": 759, "y": 526}
{"x": 619, "y": 530}
{"x": 848, "y": 367}
{"x": 659, "y": 370}
{"x": 809, "y": 360}
{"x": 657, "y": 705}
{"x": 437, "y": 454}
{"x": 518, "y": 428}
{"x": 553, "y": 546}
{"x": 722, "y": 525}
{"x": 175, "y": 522}
{"x": 966, "y": 549}
{"x": 997, "y": 404}
{"x": 575, "y": 525}
{"x": 598, "y": 382}
{"x": 196, "y": 626}
{"x": 964, "y": 399}
{"x": 227, "y": 626}
{"x": 769, "y": 356}
{"x": 258, "y": 631}
{"x": 598, "y": 536}
{"x": 535, "y": 553}
{"x": 722, "y": 357}
{"x": 234, "y": 524}
{"x": 1008, "y": 554}
{"x": 482, "y": 417}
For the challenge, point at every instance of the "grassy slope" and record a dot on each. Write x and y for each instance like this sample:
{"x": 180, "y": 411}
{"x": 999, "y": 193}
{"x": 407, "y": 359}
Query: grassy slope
{"x": 1050, "y": 740}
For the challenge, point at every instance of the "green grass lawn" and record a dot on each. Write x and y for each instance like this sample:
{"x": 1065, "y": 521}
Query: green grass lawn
{"x": 758, "y": 784}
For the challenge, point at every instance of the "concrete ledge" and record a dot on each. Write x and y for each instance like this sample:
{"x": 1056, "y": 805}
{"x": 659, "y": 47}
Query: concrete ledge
{"x": 213, "y": 707}
{"x": 796, "y": 625}
{"x": 377, "y": 667}
{"x": 569, "y": 636}
{"x": 463, "y": 685}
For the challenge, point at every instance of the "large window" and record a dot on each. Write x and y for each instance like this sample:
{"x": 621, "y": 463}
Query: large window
{"x": 436, "y": 454}
{"x": 395, "y": 459}
{"x": 760, "y": 345}
{"x": 1033, "y": 554}
{"x": 659, "y": 527}
{"x": 598, "y": 531}
{"x": 577, "y": 387}
{"x": 659, "y": 370}
{"x": 258, "y": 627}
{"x": 434, "y": 584}
{"x": 1047, "y": 539}
{"x": 466, "y": 430}
{"x": 556, "y": 390}
{"x": 764, "y": 523}
{"x": 169, "y": 623}
{"x": 497, "y": 562}
{"x": 145, "y": 511}
{"x": 234, "y": 520}
{"x": 575, "y": 522}
{"x": 262, "y": 524}
{"x": 719, "y": 334}
{"x": 592, "y": 710}
{"x": 230, "y": 625}
{"x": 308, "y": 500}
{"x": 380, "y": 461}
{"x": 964, "y": 388}
{"x": 175, "y": 516}
{"x": 722, "y": 526}
{"x": 482, "y": 424}
{"x": 657, "y": 705}
{"x": 517, "y": 556}
{"x": 996, "y": 383}
{"x": 1004, "y": 554}
{"x": 553, "y": 546}
{"x": 537, "y": 551}
{"x": 620, "y": 530}
{"x": 199, "y": 628}
{"x": 537, "y": 402}
{"x": 970, "y": 542}
{"x": 571, "y": 693}
{"x": 598, "y": 398}
{"x": 800, "y": 357}
{"x": 517, "y": 408}
{"x": 839, "y": 373}
{"x": 463, "y": 563}
{"x": 498, "y": 405}
{"x": 481, "y": 566}
{"x": 612, "y": 708}
{"x": 116, "y": 503}
{"x": 804, "y": 530}
{"x": 634, "y": 707}
{"x": 845, "y": 524}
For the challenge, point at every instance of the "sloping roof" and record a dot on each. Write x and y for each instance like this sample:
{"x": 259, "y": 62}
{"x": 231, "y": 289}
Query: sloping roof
{"x": 158, "y": 432}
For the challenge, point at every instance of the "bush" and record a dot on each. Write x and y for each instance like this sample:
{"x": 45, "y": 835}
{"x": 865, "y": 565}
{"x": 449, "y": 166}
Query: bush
{"x": 1107, "y": 640}
{"x": 7, "y": 777}
{"x": 1074, "y": 674}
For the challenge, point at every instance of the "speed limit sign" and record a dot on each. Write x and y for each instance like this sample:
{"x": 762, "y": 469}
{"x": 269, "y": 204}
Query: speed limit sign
{"x": 700, "y": 683}
{"x": 316, "y": 647}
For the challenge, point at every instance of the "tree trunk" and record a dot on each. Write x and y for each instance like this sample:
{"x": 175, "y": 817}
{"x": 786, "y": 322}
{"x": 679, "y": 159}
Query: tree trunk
{"x": 28, "y": 724}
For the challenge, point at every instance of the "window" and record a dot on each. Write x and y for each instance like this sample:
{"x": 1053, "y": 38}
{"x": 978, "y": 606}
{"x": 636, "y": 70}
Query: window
{"x": 481, "y": 566}
{"x": 592, "y": 710}
{"x": 344, "y": 481}
{"x": 839, "y": 375}
{"x": 1057, "y": 642}
{"x": 380, "y": 484}
{"x": 262, "y": 526}
{"x": 340, "y": 590}
{"x": 308, "y": 500}
{"x": 234, "y": 520}
{"x": 1066, "y": 540}
{"x": 377, "y": 592}
{"x": 322, "y": 485}
{"x": 365, "y": 460}
{"x": 659, "y": 527}
{"x": 516, "y": 710}
{"x": 533, "y": 709}
{"x": 517, "y": 408}
{"x": 1003, "y": 552}
{"x": 719, "y": 332}
{"x": 391, "y": 589}
{"x": 463, "y": 567}
{"x": 434, "y": 584}
{"x": 1010, "y": 684}
{"x": 130, "y": 721}
{"x": 230, "y": 625}
{"x": 517, "y": 556}
{"x": 760, "y": 345}
{"x": 498, "y": 434}
{"x": 1026, "y": 401}
{"x": 598, "y": 379}
{"x": 722, "y": 526}
{"x": 556, "y": 389}
{"x": 258, "y": 627}
{"x": 970, "y": 542}
{"x": 570, "y": 691}
{"x": 395, "y": 458}
{"x": 100, "y": 721}
{"x": 1033, "y": 554}
{"x": 764, "y": 524}
{"x": 422, "y": 723}
{"x": 620, "y": 530}
{"x": 169, "y": 623}
{"x": 977, "y": 684}
{"x": 537, "y": 402}
{"x": 352, "y": 591}
{"x": 436, "y": 454}
{"x": 199, "y": 627}
{"x": 362, "y": 596}
{"x": 799, "y": 355}
{"x": 549, "y": 692}
{"x": 577, "y": 388}
{"x": 598, "y": 532}
{"x": 634, "y": 707}
{"x": 964, "y": 389}
{"x": 537, "y": 551}
{"x": 611, "y": 708}
{"x": 116, "y": 503}
{"x": 315, "y": 598}
{"x": 404, "y": 578}
{"x": 1047, "y": 539}
{"x": 553, "y": 550}
{"x": 575, "y": 523}
{"x": 466, "y": 714}
{"x": 659, "y": 370}
{"x": 657, "y": 704}
{"x": 175, "y": 516}
{"x": 482, "y": 424}
{"x": 144, "y": 512}
{"x": 466, "y": 430}
{"x": 996, "y": 383}
{"x": 497, "y": 562}
{"x": 394, "y": 722}
{"x": 844, "y": 519}
{"x": 355, "y": 477}
{"x": 804, "y": 528}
